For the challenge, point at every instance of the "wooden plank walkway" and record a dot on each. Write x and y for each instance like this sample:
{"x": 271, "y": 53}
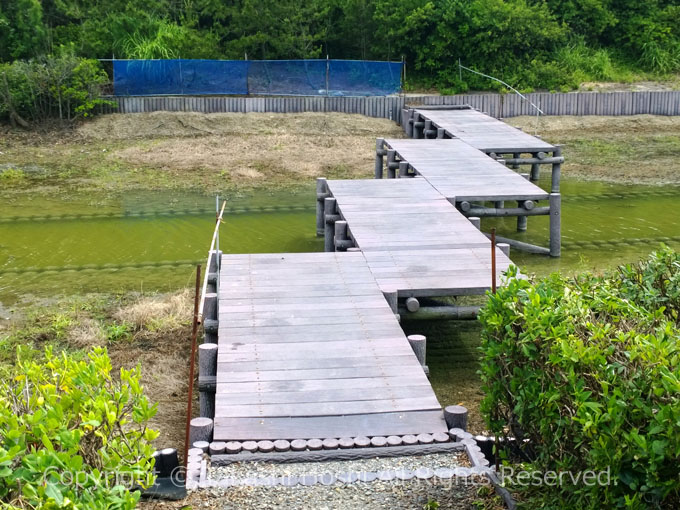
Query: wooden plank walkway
{"x": 309, "y": 348}
{"x": 458, "y": 170}
{"x": 414, "y": 240}
{"x": 484, "y": 132}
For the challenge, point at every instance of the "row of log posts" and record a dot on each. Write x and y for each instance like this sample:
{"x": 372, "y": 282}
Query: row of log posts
{"x": 201, "y": 428}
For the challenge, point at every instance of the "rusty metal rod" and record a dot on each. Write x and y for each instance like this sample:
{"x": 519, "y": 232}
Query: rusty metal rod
{"x": 194, "y": 334}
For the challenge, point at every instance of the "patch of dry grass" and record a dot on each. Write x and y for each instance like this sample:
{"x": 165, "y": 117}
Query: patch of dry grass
{"x": 633, "y": 149}
{"x": 156, "y": 317}
{"x": 223, "y": 151}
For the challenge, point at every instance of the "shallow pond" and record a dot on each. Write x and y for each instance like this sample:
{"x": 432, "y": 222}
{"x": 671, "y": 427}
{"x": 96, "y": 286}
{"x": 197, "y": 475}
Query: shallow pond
{"x": 152, "y": 242}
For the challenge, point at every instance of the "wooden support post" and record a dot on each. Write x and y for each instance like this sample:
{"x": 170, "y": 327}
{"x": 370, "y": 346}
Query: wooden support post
{"x": 441, "y": 133}
{"x": 536, "y": 168}
{"x": 201, "y": 429}
{"x": 403, "y": 169}
{"x": 418, "y": 344}
{"x": 555, "y": 201}
{"x": 456, "y": 417}
{"x": 392, "y": 299}
{"x": 556, "y": 171}
{"x": 378, "y": 173}
{"x": 521, "y": 220}
{"x": 210, "y": 314}
{"x": 207, "y": 367}
{"x": 408, "y": 124}
{"x": 515, "y": 155}
{"x": 476, "y": 221}
{"x": 330, "y": 217}
{"x": 427, "y": 128}
{"x": 499, "y": 204}
{"x": 213, "y": 269}
{"x": 391, "y": 156}
{"x": 341, "y": 240}
{"x": 418, "y": 125}
{"x": 321, "y": 194}
{"x": 505, "y": 248}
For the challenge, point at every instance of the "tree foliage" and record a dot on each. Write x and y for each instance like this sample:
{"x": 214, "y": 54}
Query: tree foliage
{"x": 525, "y": 42}
{"x": 64, "y": 87}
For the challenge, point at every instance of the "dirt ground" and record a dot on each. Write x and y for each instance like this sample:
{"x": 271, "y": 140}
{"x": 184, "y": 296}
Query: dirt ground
{"x": 642, "y": 149}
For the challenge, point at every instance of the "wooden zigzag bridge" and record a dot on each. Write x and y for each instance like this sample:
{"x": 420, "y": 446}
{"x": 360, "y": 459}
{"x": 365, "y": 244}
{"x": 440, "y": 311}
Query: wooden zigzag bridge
{"x": 304, "y": 351}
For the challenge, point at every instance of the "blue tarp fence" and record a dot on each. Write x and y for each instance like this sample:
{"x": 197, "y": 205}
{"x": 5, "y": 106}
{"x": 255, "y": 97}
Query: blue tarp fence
{"x": 256, "y": 77}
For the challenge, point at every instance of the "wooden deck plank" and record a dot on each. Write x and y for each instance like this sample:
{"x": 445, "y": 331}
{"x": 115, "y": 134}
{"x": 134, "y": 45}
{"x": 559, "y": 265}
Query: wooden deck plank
{"x": 385, "y": 424}
{"x": 306, "y": 345}
{"x": 457, "y": 169}
{"x": 484, "y": 132}
{"x": 344, "y": 408}
{"x": 302, "y": 385}
{"x": 387, "y": 358}
{"x": 314, "y": 374}
{"x": 325, "y": 395}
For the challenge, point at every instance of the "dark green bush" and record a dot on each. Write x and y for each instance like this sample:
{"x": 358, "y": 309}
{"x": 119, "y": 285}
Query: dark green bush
{"x": 588, "y": 371}
{"x": 72, "y": 435}
{"x": 63, "y": 87}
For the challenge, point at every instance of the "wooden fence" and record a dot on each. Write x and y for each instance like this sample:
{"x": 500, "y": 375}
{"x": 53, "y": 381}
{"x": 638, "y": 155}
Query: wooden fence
{"x": 389, "y": 107}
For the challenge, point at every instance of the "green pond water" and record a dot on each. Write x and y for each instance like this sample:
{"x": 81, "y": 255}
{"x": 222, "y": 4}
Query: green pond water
{"x": 70, "y": 244}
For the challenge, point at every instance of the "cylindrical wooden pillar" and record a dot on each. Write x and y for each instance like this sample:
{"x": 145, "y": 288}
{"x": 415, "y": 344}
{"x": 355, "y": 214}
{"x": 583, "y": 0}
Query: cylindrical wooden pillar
{"x": 321, "y": 191}
{"x": 403, "y": 169}
{"x": 330, "y": 208}
{"x": 207, "y": 367}
{"x": 556, "y": 171}
{"x": 391, "y": 156}
{"x": 456, "y": 417}
{"x": 521, "y": 220}
{"x": 418, "y": 344}
{"x": 555, "y": 201}
{"x": 201, "y": 429}
{"x": 341, "y": 240}
{"x": 378, "y": 172}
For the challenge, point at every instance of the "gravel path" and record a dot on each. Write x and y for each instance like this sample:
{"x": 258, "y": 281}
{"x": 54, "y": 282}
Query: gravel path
{"x": 411, "y": 463}
{"x": 395, "y": 495}
{"x": 367, "y": 484}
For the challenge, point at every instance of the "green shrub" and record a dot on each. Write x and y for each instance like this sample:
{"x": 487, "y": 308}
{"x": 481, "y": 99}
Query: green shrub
{"x": 62, "y": 86}
{"x": 72, "y": 436}
{"x": 588, "y": 370}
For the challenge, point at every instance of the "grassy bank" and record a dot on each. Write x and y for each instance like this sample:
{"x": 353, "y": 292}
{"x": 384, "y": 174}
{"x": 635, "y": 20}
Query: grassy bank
{"x": 640, "y": 149}
{"x": 191, "y": 151}
{"x": 152, "y": 330}
{"x": 232, "y": 152}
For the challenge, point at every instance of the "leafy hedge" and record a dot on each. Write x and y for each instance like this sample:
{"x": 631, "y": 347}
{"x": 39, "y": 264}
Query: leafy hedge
{"x": 588, "y": 371}
{"x": 72, "y": 436}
